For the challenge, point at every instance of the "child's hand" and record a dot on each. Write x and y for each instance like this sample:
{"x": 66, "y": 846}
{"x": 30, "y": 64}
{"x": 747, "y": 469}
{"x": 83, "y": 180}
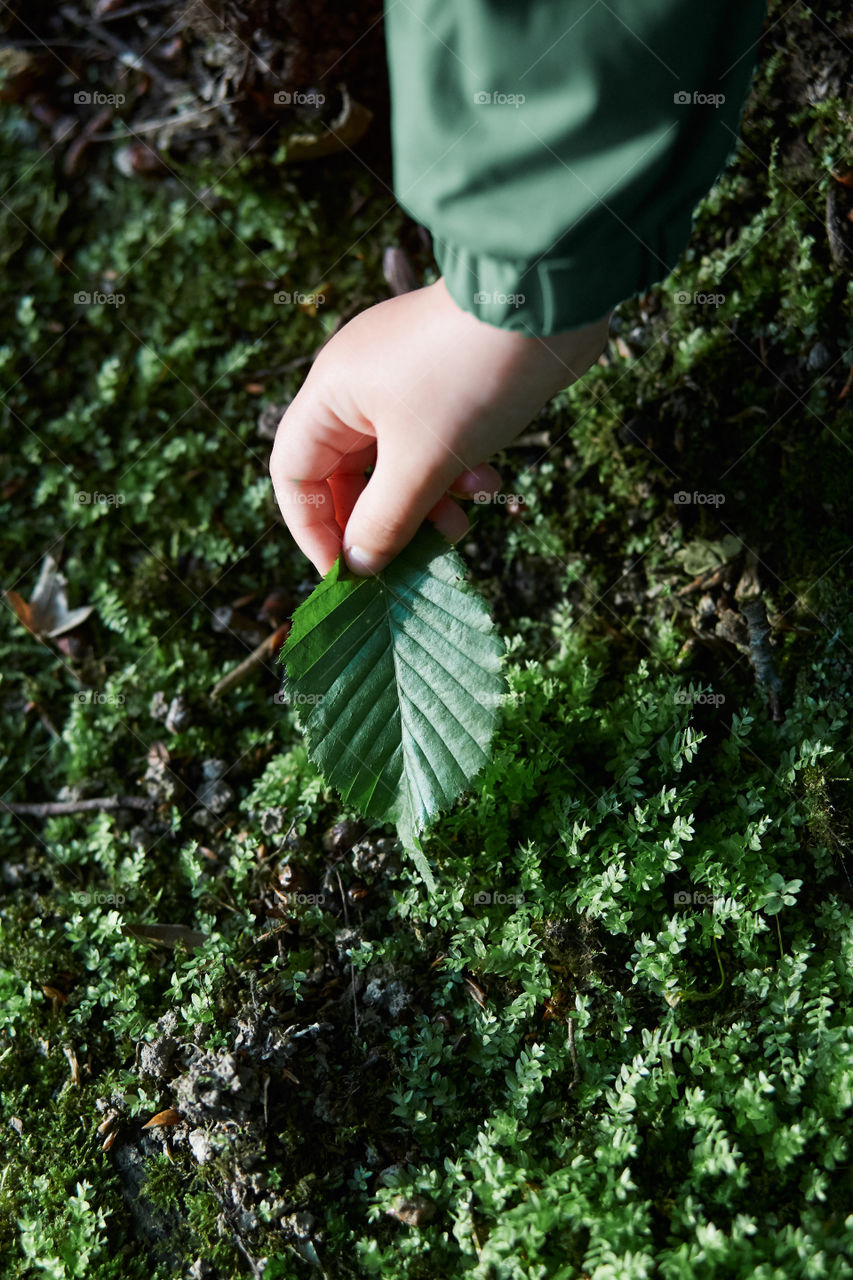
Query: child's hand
{"x": 424, "y": 393}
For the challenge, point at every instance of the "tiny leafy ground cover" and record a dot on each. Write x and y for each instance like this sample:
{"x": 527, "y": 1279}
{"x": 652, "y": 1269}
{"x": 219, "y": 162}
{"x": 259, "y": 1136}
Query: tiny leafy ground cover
{"x": 615, "y": 1039}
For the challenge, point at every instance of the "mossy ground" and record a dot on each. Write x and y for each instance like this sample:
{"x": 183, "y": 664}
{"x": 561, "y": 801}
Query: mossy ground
{"x": 621, "y": 1041}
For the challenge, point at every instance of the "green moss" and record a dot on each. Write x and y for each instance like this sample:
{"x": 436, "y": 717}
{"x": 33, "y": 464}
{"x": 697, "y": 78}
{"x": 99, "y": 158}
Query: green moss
{"x": 627, "y": 1043}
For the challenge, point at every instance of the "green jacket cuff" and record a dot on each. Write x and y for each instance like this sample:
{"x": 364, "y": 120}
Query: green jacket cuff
{"x": 577, "y": 285}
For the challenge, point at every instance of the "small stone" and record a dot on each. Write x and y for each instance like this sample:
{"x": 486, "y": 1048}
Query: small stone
{"x": 819, "y": 357}
{"x": 156, "y": 1057}
{"x": 345, "y": 940}
{"x": 201, "y": 1269}
{"x": 369, "y": 857}
{"x": 293, "y": 878}
{"x": 228, "y": 1069}
{"x": 706, "y": 610}
{"x": 216, "y": 1088}
{"x": 341, "y": 836}
{"x": 160, "y": 783}
{"x": 268, "y": 420}
{"x": 373, "y": 992}
{"x": 302, "y": 1224}
{"x": 415, "y": 1211}
{"x": 392, "y": 998}
{"x": 200, "y": 1146}
{"x": 178, "y": 716}
{"x": 158, "y": 707}
{"x": 397, "y": 998}
{"x": 214, "y": 799}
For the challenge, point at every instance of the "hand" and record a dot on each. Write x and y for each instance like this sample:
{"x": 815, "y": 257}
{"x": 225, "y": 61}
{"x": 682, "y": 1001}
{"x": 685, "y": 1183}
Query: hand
{"x": 424, "y": 393}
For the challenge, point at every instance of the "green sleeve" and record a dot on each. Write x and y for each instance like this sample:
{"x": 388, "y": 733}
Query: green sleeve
{"x": 556, "y": 149}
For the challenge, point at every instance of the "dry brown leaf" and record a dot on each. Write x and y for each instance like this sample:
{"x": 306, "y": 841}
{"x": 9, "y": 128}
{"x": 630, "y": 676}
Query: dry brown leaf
{"x": 73, "y": 1063}
{"x": 169, "y": 1116}
{"x": 47, "y": 613}
{"x": 54, "y": 993}
{"x": 397, "y": 270}
{"x": 476, "y": 993}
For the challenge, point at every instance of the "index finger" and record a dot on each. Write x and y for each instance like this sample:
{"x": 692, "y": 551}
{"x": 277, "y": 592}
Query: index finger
{"x": 311, "y": 447}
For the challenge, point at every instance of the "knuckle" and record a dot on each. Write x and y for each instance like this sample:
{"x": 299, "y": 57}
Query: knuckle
{"x": 386, "y": 532}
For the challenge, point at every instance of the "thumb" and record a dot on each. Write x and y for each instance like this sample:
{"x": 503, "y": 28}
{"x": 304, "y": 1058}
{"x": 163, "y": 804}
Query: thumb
{"x": 399, "y": 495}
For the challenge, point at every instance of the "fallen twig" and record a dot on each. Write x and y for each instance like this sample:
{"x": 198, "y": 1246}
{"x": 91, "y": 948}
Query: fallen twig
{"x": 705, "y": 580}
{"x": 114, "y": 14}
{"x": 129, "y": 58}
{"x": 259, "y": 655}
{"x": 576, "y": 1077}
{"x": 60, "y": 808}
{"x": 165, "y": 122}
{"x": 530, "y": 439}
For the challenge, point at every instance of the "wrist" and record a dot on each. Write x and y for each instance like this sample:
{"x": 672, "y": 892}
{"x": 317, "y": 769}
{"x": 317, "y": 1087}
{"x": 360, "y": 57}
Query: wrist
{"x": 538, "y": 366}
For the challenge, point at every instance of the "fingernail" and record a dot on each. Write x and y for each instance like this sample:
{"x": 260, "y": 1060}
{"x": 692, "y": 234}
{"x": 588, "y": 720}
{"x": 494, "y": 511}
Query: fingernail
{"x": 359, "y": 560}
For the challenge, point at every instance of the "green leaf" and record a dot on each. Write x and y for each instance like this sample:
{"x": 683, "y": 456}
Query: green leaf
{"x": 702, "y": 555}
{"x": 396, "y": 682}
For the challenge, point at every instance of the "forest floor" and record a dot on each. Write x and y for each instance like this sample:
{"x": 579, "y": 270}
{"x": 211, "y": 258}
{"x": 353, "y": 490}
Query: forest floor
{"x": 617, "y": 1040}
